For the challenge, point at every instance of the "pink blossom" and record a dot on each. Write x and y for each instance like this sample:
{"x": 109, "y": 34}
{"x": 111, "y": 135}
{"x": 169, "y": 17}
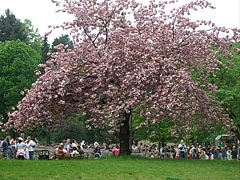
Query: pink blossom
{"x": 118, "y": 66}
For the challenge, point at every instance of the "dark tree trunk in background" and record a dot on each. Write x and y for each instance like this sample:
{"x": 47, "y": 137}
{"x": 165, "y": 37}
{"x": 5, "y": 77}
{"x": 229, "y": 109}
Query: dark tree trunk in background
{"x": 124, "y": 135}
{"x": 48, "y": 139}
{"x": 159, "y": 138}
{"x": 131, "y": 133}
{"x": 13, "y": 133}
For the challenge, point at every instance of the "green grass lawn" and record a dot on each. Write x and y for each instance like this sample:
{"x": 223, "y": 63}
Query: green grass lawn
{"x": 125, "y": 168}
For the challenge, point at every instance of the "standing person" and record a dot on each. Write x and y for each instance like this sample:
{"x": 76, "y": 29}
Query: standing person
{"x": 6, "y": 148}
{"x": 229, "y": 156}
{"x": 1, "y": 141}
{"x": 207, "y": 143}
{"x": 224, "y": 152}
{"x": 22, "y": 135}
{"x": 12, "y": 144}
{"x": 216, "y": 153}
{"x": 182, "y": 148}
{"x": 20, "y": 148}
{"x": 31, "y": 146}
{"x": 177, "y": 151}
{"x": 193, "y": 152}
{"x": 173, "y": 152}
{"x": 208, "y": 152}
{"x": 234, "y": 153}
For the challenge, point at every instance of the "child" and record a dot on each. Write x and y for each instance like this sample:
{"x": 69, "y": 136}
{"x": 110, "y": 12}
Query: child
{"x": 229, "y": 157}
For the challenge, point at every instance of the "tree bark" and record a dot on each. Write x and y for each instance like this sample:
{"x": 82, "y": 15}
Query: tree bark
{"x": 124, "y": 135}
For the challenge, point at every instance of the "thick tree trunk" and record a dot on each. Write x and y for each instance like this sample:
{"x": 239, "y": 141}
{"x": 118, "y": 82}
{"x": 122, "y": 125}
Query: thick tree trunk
{"x": 124, "y": 136}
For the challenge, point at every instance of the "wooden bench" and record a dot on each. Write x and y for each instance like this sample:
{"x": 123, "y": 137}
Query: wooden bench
{"x": 71, "y": 156}
{"x": 42, "y": 154}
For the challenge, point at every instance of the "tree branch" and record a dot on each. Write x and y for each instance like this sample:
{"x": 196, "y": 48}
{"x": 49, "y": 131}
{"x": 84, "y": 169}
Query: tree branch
{"x": 179, "y": 45}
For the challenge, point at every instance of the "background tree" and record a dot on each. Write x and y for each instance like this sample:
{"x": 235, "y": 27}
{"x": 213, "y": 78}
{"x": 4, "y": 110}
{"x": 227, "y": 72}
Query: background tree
{"x": 119, "y": 65}
{"x": 34, "y": 39}
{"x": 11, "y": 28}
{"x": 17, "y": 64}
{"x": 228, "y": 82}
{"x": 73, "y": 129}
{"x": 45, "y": 50}
{"x": 63, "y": 39}
{"x": 155, "y": 133}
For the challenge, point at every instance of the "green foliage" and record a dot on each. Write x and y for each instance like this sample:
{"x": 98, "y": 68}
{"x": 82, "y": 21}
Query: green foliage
{"x": 75, "y": 128}
{"x": 45, "y": 50}
{"x": 11, "y": 28}
{"x": 33, "y": 37}
{"x": 228, "y": 82}
{"x": 72, "y": 129}
{"x": 63, "y": 39}
{"x": 151, "y": 132}
{"x": 17, "y": 64}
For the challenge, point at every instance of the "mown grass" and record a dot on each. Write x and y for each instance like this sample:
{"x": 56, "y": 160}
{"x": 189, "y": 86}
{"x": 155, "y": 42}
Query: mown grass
{"x": 121, "y": 168}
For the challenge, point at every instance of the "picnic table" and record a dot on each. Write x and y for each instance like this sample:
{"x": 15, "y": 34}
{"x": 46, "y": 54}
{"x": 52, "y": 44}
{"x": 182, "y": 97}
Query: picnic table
{"x": 71, "y": 156}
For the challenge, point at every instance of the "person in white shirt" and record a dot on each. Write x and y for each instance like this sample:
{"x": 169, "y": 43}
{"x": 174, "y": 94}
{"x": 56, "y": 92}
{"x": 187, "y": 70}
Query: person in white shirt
{"x": 181, "y": 148}
{"x": 74, "y": 151}
{"x": 74, "y": 143}
{"x": 31, "y": 146}
{"x": 82, "y": 144}
{"x": 1, "y": 141}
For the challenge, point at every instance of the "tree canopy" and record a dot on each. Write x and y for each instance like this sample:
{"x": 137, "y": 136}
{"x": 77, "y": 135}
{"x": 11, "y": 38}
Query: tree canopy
{"x": 17, "y": 64}
{"x": 63, "y": 39}
{"x": 119, "y": 65}
{"x": 228, "y": 82}
{"x": 34, "y": 39}
{"x": 45, "y": 50}
{"x": 11, "y": 28}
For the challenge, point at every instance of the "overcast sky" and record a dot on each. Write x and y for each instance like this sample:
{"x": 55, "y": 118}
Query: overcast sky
{"x": 42, "y": 13}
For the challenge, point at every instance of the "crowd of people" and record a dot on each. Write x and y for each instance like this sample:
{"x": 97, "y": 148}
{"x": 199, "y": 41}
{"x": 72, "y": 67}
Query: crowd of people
{"x": 206, "y": 152}
{"x": 22, "y": 148}
{"x": 72, "y": 147}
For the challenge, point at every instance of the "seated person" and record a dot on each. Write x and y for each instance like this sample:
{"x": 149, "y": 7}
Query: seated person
{"x": 74, "y": 151}
{"x": 96, "y": 152}
{"x": 79, "y": 149}
{"x": 96, "y": 148}
{"x": 61, "y": 150}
